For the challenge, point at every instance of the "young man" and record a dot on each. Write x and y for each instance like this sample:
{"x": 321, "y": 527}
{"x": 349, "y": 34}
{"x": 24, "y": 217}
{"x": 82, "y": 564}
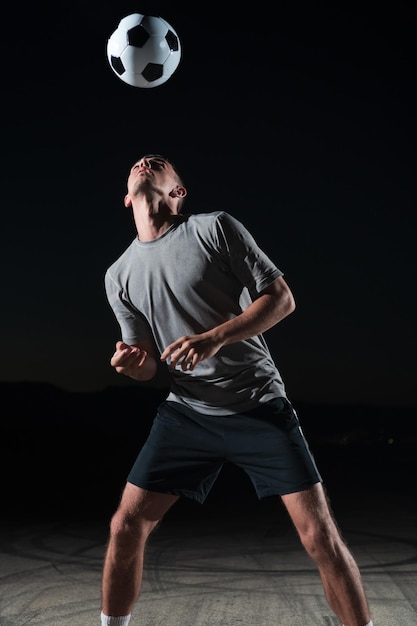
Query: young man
{"x": 196, "y": 292}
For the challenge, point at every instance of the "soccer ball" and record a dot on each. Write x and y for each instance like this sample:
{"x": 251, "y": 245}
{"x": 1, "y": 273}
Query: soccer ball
{"x": 144, "y": 50}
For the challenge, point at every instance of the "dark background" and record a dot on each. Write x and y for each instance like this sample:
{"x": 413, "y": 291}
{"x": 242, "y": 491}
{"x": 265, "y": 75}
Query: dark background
{"x": 300, "y": 122}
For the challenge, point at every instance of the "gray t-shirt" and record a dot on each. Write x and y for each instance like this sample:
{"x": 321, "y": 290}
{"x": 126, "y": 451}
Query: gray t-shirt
{"x": 201, "y": 272}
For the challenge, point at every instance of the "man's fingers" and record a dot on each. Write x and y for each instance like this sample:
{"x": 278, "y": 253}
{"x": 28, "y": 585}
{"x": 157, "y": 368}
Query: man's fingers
{"x": 171, "y": 350}
{"x": 180, "y": 355}
{"x": 190, "y": 360}
{"x": 128, "y": 356}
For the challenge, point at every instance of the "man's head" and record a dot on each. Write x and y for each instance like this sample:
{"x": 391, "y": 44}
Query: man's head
{"x": 157, "y": 173}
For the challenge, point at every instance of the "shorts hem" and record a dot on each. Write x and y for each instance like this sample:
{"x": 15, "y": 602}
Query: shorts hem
{"x": 173, "y": 492}
{"x": 267, "y": 493}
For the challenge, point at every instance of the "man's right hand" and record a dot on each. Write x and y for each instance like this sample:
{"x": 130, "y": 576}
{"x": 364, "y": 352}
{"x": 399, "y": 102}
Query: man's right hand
{"x": 133, "y": 361}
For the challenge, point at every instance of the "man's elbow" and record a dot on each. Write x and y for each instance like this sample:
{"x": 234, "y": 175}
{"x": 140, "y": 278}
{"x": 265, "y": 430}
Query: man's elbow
{"x": 289, "y": 303}
{"x": 292, "y": 304}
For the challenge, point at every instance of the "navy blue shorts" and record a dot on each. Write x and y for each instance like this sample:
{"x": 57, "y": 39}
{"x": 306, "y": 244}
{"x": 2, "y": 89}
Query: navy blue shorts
{"x": 185, "y": 451}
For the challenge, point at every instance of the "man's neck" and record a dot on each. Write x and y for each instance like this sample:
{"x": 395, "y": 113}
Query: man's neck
{"x": 155, "y": 226}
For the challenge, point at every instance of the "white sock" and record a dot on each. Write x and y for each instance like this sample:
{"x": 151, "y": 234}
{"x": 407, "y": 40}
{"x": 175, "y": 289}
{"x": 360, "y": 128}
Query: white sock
{"x": 370, "y": 623}
{"x": 107, "y": 620}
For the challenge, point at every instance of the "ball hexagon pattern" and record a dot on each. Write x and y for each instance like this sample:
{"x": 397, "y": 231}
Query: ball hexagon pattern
{"x": 144, "y": 50}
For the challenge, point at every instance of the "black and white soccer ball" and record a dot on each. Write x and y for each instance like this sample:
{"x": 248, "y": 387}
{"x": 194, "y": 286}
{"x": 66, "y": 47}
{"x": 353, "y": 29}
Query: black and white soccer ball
{"x": 144, "y": 50}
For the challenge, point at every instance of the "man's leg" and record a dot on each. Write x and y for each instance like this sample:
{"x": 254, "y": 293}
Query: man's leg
{"x": 320, "y": 536}
{"x": 138, "y": 513}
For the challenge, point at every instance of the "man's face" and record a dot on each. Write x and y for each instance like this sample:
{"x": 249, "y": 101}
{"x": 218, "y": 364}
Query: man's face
{"x": 151, "y": 173}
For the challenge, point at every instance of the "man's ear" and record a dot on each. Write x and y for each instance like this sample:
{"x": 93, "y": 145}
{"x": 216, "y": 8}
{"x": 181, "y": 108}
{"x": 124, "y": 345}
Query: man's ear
{"x": 127, "y": 201}
{"x": 178, "y": 192}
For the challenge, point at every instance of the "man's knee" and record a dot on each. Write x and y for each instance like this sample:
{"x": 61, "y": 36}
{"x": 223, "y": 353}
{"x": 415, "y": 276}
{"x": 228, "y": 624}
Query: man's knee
{"x": 127, "y": 529}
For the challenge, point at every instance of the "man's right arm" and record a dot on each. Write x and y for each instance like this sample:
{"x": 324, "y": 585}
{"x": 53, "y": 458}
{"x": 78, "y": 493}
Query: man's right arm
{"x": 136, "y": 361}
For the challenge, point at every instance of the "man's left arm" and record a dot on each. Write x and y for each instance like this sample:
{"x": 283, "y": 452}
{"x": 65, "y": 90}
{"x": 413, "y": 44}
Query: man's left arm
{"x": 273, "y": 304}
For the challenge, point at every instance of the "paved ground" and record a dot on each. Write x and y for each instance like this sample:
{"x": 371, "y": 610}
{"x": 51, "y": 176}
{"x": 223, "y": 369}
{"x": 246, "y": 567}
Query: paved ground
{"x": 221, "y": 564}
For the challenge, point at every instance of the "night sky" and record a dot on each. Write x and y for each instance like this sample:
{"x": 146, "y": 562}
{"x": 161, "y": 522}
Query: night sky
{"x": 300, "y": 123}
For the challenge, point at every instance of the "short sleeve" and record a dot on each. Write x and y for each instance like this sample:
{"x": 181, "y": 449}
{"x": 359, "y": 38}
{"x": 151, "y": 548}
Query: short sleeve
{"x": 247, "y": 260}
{"x": 133, "y": 325}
